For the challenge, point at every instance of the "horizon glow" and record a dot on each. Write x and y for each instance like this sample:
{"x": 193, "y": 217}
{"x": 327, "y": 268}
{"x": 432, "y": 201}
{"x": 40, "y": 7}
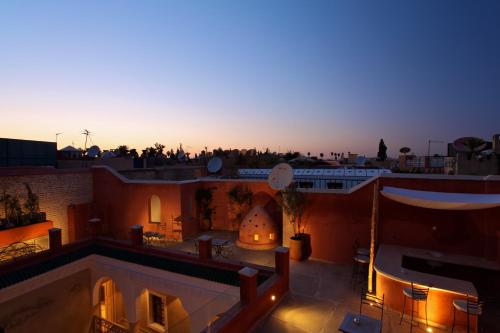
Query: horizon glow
{"x": 315, "y": 77}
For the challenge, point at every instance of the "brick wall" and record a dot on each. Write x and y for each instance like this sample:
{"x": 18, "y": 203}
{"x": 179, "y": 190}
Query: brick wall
{"x": 55, "y": 189}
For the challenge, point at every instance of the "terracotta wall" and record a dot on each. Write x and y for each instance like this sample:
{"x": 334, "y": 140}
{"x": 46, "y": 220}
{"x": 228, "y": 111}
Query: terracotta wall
{"x": 121, "y": 205}
{"x": 462, "y": 232}
{"x": 27, "y": 232}
{"x": 337, "y": 222}
{"x": 263, "y": 195}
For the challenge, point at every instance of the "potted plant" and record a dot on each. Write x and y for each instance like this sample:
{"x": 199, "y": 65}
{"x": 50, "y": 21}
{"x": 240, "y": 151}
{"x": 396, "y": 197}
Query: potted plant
{"x": 32, "y": 206}
{"x": 15, "y": 216}
{"x": 240, "y": 201}
{"x": 203, "y": 197}
{"x": 293, "y": 203}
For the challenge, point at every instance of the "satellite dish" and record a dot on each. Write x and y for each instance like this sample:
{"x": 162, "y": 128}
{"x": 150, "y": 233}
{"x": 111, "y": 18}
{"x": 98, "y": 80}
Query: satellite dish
{"x": 469, "y": 144}
{"x": 214, "y": 165}
{"x": 94, "y": 151}
{"x": 280, "y": 177}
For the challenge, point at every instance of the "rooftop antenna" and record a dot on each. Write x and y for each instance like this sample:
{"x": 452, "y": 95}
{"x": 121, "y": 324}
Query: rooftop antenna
{"x": 57, "y": 134}
{"x": 87, "y": 133}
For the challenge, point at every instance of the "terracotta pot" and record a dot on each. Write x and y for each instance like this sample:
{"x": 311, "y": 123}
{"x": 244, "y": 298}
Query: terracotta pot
{"x": 206, "y": 224}
{"x": 297, "y": 248}
{"x": 306, "y": 238}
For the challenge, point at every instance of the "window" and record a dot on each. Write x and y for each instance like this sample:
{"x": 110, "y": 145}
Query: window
{"x": 154, "y": 209}
{"x": 156, "y": 310}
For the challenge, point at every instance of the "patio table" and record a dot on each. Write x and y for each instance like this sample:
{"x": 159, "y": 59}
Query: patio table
{"x": 218, "y": 245}
{"x": 151, "y": 235}
{"x": 364, "y": 325}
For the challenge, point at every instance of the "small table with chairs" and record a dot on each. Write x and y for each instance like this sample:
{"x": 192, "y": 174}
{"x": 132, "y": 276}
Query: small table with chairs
{"x": 222, "y": 247}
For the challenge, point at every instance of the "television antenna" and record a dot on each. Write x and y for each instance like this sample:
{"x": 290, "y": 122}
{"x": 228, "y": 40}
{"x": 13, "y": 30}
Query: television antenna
{"x": 87, "y": 134}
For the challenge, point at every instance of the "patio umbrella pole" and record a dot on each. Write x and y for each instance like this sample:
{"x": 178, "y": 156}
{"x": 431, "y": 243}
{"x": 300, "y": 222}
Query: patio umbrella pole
{"x": 374, "y": 221}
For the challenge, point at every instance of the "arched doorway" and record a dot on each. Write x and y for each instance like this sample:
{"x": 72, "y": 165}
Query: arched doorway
{"x": 110, "y": 303}
{"x": 154, "y": 209}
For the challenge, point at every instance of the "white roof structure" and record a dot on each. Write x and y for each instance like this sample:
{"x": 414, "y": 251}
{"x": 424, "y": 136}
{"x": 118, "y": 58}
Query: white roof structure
{"x": 441, "y": 200}
{"x": 70, "y": 149}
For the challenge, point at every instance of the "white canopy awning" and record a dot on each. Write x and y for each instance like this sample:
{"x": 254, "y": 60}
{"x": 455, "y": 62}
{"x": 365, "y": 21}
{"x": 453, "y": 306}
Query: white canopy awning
{"x": 441, "y": 200}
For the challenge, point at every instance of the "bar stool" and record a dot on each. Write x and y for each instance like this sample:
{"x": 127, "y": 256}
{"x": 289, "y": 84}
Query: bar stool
{"x": 416, "y": 295}
{"x": 363, "y": 251}
{"x": 469, "y": 306}
{"x": 359, "y": 269}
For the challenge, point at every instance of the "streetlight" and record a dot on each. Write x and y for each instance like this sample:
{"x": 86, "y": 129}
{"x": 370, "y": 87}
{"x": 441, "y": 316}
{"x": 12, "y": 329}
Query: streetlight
{"x": 57, "y": 134}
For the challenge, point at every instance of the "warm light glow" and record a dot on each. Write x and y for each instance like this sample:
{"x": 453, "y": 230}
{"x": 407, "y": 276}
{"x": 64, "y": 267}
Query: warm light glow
{"x": 271, "y": 236}
{"x": 273, "y": 298}
{"x": 429, "y": 329}
{"x": 256, "y": 237}
{"x": 371, "y": 304}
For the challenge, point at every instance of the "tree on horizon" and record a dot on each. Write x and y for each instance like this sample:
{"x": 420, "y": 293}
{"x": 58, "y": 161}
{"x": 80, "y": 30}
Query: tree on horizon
{"x": 382, "y": 151}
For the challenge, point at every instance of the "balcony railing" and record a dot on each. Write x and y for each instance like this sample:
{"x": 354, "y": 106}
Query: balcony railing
{"x": 101, "y": 325}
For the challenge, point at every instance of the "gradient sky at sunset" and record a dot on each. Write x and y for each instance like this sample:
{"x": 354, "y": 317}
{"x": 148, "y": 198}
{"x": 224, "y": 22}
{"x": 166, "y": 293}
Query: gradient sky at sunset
{"x": 315, "y": 76}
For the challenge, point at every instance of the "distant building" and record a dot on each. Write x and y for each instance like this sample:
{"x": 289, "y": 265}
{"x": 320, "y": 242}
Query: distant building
{"x": 70, "y": 153}
{"x": 14, "y": 152}
{"x": 483, "y": 163}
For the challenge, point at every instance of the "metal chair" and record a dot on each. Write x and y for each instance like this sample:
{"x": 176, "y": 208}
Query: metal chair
{"x": 372, "y": 301}
{"x": 362, "y": 323}
{"x": 469, "y": 306}
{"x": 363, "y": 251}
{"x": 359, "y": 269}
{"x": 416, "y": 295}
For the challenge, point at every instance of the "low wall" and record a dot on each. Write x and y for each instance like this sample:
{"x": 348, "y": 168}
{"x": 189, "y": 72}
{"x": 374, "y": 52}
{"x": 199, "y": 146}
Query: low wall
{"x": 27, "y": 232}
{"x": 62, "y": 306}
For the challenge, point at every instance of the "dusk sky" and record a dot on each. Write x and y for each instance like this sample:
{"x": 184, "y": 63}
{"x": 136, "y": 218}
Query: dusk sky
{"x": 316, "y": 76}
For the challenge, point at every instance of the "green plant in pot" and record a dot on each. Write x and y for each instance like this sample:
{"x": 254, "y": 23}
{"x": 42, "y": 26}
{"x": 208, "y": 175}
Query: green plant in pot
{"x": 32, "y": 207}
{"x": 13, "y": 211}
{"x": 240, "y": 201}
{"x": 293, "y": 203}
{"x": 204, "y": 197}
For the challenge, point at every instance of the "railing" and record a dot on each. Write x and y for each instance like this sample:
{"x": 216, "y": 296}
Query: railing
{"x": 101, "y": 325}
{"x": 18, "y": 249}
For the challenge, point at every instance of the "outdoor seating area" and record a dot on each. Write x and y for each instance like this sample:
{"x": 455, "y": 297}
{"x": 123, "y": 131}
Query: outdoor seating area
{"x": 327, "y": 297}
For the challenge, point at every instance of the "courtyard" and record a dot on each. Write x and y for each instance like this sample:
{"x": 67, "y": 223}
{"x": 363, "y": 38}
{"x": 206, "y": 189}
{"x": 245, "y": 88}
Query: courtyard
{"x": 321, "y": 293}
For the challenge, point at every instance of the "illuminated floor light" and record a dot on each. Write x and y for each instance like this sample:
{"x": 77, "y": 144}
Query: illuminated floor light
{"x": 273, "y": 298}
{"x": 429, "y": 329}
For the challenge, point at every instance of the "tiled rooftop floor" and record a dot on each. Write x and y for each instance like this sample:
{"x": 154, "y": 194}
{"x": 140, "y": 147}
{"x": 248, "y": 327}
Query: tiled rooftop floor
{"x": 321, "y": 294}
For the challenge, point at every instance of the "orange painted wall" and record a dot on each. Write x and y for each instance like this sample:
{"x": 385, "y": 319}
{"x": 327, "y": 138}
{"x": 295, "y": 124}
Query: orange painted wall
{"x": 460, "y": 232}
{"x": 26, "y": 232}
{"x": 263, "y": 195}
{"x": 337, "y": 222}
{"x": 121, "y": 205}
